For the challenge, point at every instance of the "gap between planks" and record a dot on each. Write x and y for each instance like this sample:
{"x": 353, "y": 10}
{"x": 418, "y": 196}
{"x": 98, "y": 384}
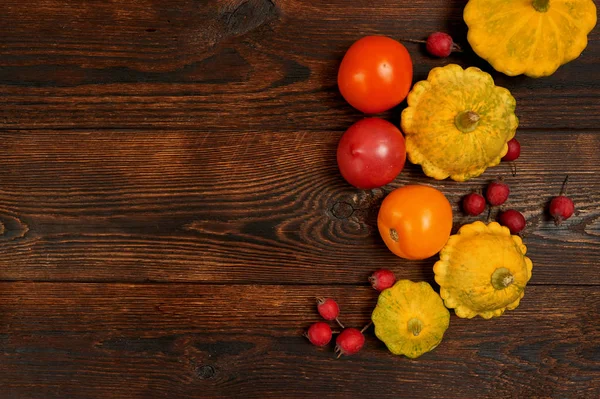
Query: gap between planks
{"x": 237, "y": 283}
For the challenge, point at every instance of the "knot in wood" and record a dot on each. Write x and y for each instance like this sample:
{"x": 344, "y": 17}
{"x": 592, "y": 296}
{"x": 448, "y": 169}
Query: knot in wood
{"x": 342, "y": 210}
{"x": 12, "y": 228}
{"x": 205, "y": 372}
{"x": 249, "y": 15}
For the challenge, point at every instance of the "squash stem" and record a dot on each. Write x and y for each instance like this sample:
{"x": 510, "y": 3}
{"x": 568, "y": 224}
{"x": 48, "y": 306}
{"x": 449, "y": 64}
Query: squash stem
{"x": 467, "y": 121}
{"x": 541, "y": 5}
{"x": 502, "y": 278}
{"x": 415, "y": 326}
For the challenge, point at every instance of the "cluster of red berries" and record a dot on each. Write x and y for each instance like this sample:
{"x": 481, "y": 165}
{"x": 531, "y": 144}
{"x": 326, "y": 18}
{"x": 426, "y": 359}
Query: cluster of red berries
{"x": 561, "y": 207}
{"x": 497, "y": 192}
{"x": 350, "y": 340}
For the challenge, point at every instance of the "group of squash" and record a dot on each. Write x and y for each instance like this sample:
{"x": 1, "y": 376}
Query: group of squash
{"x": 482, "y": 269}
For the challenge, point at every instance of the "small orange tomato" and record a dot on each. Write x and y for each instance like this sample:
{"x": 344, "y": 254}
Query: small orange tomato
{"x": 415, "y": 221}
{"x": 375, "y": 74}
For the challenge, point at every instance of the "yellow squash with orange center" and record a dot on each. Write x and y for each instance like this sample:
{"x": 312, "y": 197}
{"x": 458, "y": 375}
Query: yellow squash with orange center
{"x": 458, "y": 123}
{"x": 483, "y": 270}
{"x": 531, "y": 37}
{"x": 410, "y": 318}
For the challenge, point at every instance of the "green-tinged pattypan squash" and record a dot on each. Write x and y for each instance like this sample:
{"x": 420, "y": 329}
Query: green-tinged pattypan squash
{"x": 410, "y": 318}
{"x": 531, "y": 37}
{"x": 458, "y": 122}
{"x": 482, "y": 270}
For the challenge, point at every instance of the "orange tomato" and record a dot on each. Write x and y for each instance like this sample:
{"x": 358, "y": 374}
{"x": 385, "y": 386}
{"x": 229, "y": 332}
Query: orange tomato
{"x": 375, "y": 74}
{"x": 415, "y": 221}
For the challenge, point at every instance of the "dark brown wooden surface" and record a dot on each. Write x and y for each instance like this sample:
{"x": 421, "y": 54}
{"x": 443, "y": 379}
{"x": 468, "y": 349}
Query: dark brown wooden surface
{"x": 195, "y": 341}
{"x": 188, "y": 206}
{"x": 170, "y": 205}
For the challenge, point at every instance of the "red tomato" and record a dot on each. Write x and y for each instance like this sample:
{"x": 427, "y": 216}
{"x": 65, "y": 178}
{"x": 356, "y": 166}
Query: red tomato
{"x": 371, "y": 153}
{"x": 375, "y": 74}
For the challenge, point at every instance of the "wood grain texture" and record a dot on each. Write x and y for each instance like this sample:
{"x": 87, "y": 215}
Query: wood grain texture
{"x": 251, "y": 207}
{"x": 156, "y": 341}
{"x": 222, "y": 65}
{"x": 168, "y": 181}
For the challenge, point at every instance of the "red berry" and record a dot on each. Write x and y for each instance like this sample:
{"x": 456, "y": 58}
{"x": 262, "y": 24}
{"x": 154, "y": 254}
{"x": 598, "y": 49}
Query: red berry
{"x": 514, "y": 220}
{"x": 319, "y": 333}
{"x": 439, "y": 44}
{"x": 473, "y": 204}
{"x": 382, "y": 279}
{"x": 349, "y": 342}
{"x": 328, "y": 308}
{"x": 561, "y": 208}
{"x": 497, "y": 193}
{"x": 514, "y": 151}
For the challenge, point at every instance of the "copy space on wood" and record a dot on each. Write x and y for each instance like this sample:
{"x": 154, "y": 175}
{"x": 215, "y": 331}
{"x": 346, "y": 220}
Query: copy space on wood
{"x": 251, "y": 207}
{"x": 223, "y": 65}
{"x": 176, "y": 340}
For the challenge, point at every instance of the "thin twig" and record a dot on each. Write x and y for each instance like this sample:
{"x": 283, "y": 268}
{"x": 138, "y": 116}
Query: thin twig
{"x": 413, "y": 41}
{"x": 563, "y": 190}
{"x": 366, "y": 327}
{"x": 339, "y": 322}
{"x": 456, "y": 48}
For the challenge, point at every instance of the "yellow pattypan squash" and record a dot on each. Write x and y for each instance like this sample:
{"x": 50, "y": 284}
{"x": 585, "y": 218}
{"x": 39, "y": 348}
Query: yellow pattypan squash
{"x": 458, "y": 122}
{"x": 410, "y": 318}
{"x": 483, "y": 270}
{"x": 533, "y": 37}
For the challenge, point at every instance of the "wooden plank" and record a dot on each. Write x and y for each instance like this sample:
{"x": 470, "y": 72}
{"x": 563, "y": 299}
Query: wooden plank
{"x": 222, "y": 65}
{"x": 199, "y": 341}
{"x": 251, "y": 207}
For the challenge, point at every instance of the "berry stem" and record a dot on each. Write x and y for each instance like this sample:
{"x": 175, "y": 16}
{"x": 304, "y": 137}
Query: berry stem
{"x": 339, "y": 322}
{"x": 513, "y": 166}
{"x": 456, "y": 48}
{"x": 558, "y": 220}
{"x": 413, "y": 41}
{"x": 563, "y": 189}
{"x": 366, "y": 327}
